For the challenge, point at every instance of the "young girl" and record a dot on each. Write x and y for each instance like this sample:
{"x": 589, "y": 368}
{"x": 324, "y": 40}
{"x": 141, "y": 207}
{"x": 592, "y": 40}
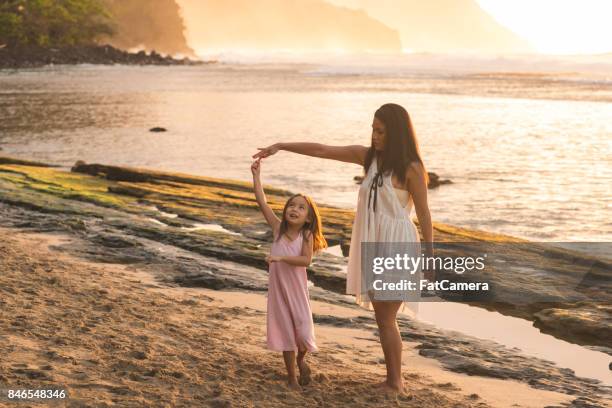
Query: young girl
{"x": 296, "y": 237}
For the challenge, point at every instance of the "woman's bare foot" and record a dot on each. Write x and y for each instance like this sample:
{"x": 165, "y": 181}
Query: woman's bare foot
{"x": 390, "y": 388}
{"x": 293, "y": 385}
{"x": 304, "y": 373}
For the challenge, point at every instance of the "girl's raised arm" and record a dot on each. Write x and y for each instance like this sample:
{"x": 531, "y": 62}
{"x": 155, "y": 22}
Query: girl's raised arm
{"x": 269, "y": 215}
{"x": 349, "y": 154}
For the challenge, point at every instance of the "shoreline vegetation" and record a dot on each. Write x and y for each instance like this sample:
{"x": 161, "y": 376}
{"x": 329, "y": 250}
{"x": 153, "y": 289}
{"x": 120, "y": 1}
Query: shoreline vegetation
{"x": 199, "y": 233}
{"x": 38, "y": 33}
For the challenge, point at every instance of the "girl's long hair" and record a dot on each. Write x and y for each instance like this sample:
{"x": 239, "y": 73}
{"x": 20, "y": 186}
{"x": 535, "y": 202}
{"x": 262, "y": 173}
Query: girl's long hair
{"x": 401, "y": 146}
{"x": 314, "y": 226}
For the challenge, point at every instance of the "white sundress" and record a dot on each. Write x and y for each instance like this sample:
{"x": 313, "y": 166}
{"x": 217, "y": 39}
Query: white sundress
{"x": 390, "y": 222}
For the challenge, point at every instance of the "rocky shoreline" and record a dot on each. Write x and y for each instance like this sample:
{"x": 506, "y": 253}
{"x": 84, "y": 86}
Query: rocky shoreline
{"x": 204, "y": 232}
{"x": 34, "y": 57}
{"x": 564, "y": 293}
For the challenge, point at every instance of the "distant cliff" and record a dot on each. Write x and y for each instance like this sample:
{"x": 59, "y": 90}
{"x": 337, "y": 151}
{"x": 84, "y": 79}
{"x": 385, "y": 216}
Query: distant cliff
{"x": 442, "y": 25}
{"x": 281, "y": 24}
{"x": 149, "y": 24}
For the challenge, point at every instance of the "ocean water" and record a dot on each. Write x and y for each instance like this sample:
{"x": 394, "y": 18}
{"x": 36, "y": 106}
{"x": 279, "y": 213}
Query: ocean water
{"x": 526, "y": 141}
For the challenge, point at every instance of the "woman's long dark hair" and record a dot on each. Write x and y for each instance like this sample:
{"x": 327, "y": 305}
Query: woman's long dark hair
{"x": 401, "y": 146}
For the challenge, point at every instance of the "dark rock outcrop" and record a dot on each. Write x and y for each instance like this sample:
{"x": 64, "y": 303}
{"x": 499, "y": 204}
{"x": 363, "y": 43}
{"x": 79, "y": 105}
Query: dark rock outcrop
{"x": 434, "y": 180}
{"x": 31, "y": 57}
{"x": 571, "y": 323}
{"x": 13, "y": 160}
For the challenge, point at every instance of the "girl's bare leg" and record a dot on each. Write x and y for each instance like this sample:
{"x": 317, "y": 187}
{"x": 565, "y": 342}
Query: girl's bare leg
{"x": 303, "y": 367}
{"x": 391, "y": 342}
{"x": 289, "y": 357}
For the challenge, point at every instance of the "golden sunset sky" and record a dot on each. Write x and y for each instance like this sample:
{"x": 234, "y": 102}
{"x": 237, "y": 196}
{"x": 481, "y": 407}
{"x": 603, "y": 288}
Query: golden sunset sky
{"x": 490, "y": 26}
{"x": 557, "y": 26}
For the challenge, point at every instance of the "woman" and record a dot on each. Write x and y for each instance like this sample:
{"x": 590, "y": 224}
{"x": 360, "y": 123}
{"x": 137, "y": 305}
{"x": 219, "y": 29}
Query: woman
{"x": 395, "y": 180}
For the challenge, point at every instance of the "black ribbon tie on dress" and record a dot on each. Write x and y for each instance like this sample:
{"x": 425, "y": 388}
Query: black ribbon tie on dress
{"x": 377, "y": 181}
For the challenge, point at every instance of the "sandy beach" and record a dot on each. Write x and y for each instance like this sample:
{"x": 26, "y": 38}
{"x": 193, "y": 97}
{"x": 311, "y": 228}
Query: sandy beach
{"x": 112, "y": 335}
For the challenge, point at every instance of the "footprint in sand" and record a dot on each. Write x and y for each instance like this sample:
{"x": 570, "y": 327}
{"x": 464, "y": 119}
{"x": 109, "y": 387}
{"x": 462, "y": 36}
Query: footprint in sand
{"x": 219, "y": 403}
{"x": 321, "y": 378}
{"x": 118, "y": 390}
{"x": 448, "y": 386}
{"x": 60, "y": 341}
{"x": 55, "y": 356}
{"x": 136, "y": 377}
{"x": 190, "y": 302}
{"x": 139, "y": 355}
{"x": 32, "y": 374}
{"x": 152, "y": 372}
{"x": 80, "y": 376}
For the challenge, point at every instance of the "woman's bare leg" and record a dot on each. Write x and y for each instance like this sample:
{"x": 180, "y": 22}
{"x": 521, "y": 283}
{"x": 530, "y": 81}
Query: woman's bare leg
{"x": 391, "y": 342}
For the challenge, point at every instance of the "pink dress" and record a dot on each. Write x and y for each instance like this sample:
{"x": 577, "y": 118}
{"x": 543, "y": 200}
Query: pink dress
{"x": 289, "y": 321}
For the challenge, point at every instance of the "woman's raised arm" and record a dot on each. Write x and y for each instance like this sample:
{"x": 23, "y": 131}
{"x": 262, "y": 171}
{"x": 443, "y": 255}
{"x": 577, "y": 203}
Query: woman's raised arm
{"x": 349, "y": 154}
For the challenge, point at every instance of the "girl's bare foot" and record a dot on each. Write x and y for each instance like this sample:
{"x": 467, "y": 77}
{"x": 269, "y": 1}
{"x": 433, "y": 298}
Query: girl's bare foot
{"x": 304, "y": 373}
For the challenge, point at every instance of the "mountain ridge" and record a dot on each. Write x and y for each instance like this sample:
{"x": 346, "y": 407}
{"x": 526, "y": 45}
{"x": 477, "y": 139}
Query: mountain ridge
{"x": 442, "y": 25}
{"x": 276, "y": 24}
